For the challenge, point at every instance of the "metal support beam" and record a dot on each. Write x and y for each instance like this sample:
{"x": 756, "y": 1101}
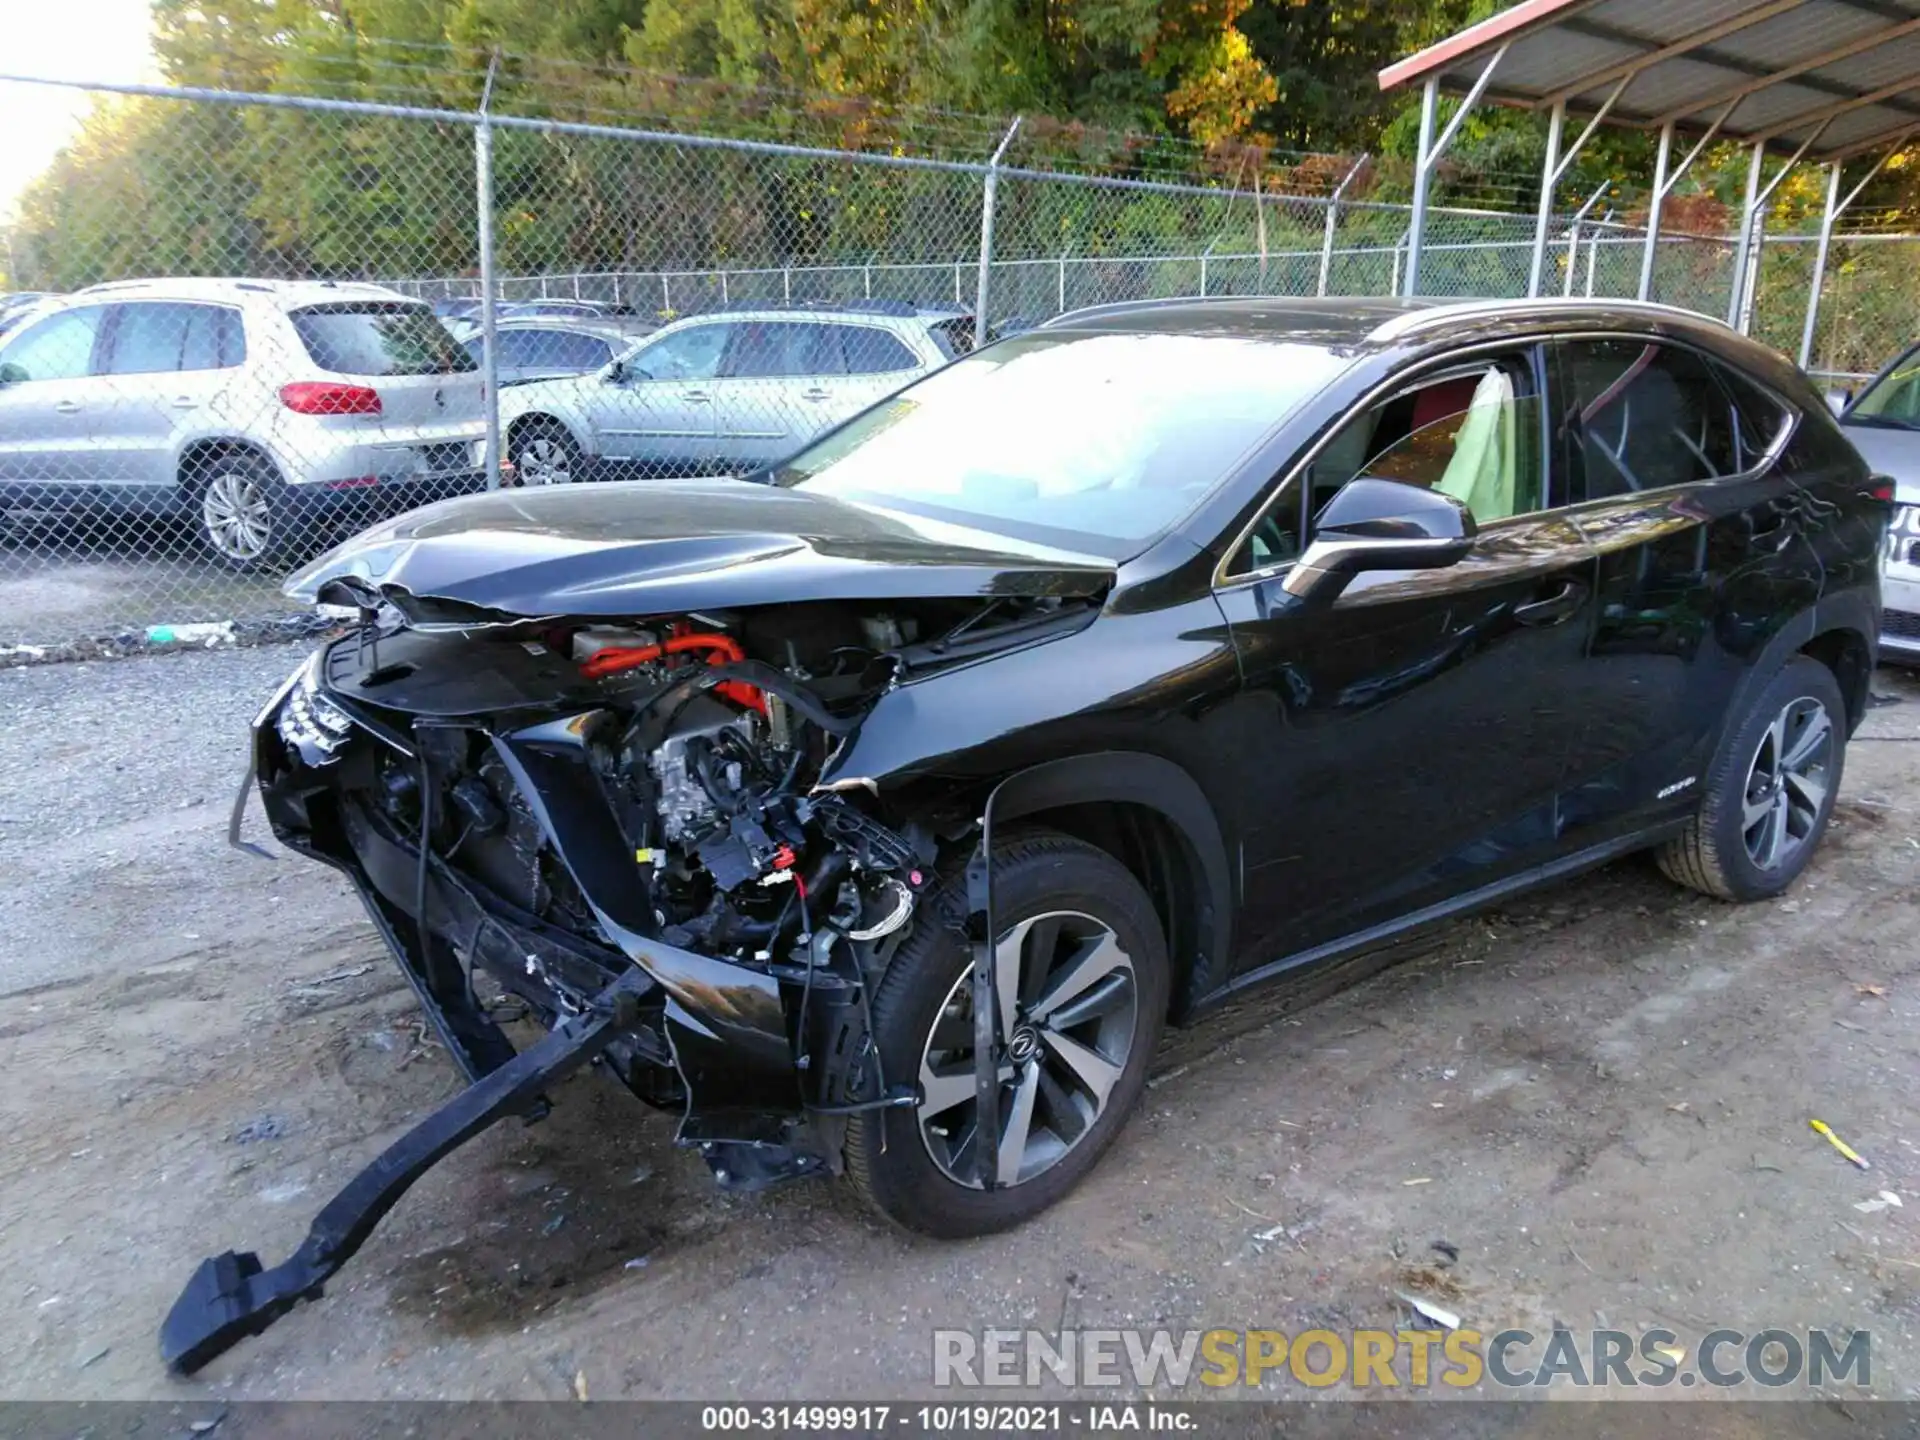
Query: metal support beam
{"x": 1549, "y": 177}
{"x": 1746, "y": 273}
{"x": 1432, "y": 148}
{"x": 1333, "y": 225}
{"x": 1573, "y": 234}
{"x": 1654, "y": 202}
{"x": 988, "y": 192}
{"x": 1556, "y": 166}
{"x": 1836, "y": 206}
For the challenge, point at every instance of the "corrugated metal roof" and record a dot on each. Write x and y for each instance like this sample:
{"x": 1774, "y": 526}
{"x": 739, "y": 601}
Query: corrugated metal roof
{"x": 1786, "y": 67}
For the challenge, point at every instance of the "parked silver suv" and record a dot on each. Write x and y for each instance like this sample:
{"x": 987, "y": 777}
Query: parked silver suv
{"x": 255, "y": 409}
{"x": 724, "y": 392}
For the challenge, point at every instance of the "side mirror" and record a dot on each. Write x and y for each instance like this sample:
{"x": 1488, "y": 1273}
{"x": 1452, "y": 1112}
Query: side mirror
{"x": 1379, "y": 525}
{"x": 616, "y": 373}
{"x": 1839, "y": 399}
{"x": 11, "y": 374}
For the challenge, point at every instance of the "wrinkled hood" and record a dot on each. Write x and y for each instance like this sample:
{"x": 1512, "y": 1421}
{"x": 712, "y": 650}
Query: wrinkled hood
{"x": 1893, "y": 453}
{"x": 650, "y": 547}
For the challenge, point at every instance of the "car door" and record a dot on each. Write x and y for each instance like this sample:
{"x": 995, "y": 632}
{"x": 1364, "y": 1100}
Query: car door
{"x": 876, "y": 362}
{"x": 165, "y": 375}
{"x": 1412, "y": 737}
{"x": 655, "y": 410}
{"x": 1698, "y": 531}
{"x": 776, "y": 390}
{"x": 52, "y": 408}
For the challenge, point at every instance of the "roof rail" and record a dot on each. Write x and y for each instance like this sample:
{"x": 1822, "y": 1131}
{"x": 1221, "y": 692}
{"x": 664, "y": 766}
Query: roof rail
{"x": 1414, "y": 321}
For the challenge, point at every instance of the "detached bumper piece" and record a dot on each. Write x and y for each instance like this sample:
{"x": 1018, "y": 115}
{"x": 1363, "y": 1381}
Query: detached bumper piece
{"x": 231, "y": 1296}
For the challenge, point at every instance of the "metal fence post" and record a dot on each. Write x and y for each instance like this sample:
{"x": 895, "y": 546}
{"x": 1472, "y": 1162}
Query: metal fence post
{"x": 489, "y": 346}
{"x": 1333, "y": 225}
{"x": 987, "y": 194}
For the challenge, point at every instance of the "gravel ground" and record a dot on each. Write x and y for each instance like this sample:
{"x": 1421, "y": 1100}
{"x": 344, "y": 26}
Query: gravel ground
{"x": 1598, "y": 1095}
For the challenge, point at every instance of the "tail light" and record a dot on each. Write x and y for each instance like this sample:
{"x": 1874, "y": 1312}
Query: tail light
{"x": 324, "y": 397}
{"x": 1881, "y": 488}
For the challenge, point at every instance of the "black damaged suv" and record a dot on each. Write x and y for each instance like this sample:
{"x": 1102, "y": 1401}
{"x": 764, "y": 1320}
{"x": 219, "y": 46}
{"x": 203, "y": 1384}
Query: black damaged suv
{"x": 873, "y": 813}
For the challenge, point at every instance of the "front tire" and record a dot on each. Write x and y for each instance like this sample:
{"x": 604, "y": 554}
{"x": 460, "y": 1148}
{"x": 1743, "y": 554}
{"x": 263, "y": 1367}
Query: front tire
{"x": 1770, "y": 791}
{"x": 1084, "y": 974}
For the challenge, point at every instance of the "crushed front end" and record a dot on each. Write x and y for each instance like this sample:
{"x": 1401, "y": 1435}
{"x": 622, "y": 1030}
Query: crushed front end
{"x": 616, "y": 829}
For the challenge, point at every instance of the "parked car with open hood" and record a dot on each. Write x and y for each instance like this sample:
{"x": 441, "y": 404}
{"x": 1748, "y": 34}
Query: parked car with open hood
{"x": 721, "y": 392}
{"x": 872, "y": 815}
{"x": 259, "y": 411}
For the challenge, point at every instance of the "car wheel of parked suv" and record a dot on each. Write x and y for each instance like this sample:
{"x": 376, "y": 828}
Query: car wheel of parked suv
{"x": 1083, "y": 974}
{"x": 544, "y": 454}
{"x": 1770, "y": 791}
{"x": 241, "y": 507}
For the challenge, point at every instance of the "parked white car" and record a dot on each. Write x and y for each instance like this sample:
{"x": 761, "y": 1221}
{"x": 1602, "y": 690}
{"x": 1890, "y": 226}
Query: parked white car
{"x": 254, "y": 408}
{"x": 1883, "y": 422}
{"x": 720, "y": 393}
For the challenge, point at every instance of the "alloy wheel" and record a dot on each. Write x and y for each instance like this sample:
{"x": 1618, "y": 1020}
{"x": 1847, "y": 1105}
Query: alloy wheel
{"x": 1787, "y": 783}
{"x": 543, "y": 460}
{"x": 237, "y": 515}
{"x": 1068, "y": 1015}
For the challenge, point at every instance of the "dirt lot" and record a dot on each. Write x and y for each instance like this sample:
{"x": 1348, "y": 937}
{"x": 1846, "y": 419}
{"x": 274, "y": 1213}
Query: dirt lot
{"x": 1599, "y": 1095}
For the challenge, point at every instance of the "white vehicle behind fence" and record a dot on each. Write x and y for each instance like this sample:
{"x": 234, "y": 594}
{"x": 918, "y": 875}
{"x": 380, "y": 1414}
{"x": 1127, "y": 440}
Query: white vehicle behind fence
{"x": 263, "y": 412}
{"x": 724, "y": 392}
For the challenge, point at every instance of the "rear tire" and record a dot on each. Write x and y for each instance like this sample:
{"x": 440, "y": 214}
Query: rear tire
{"x": 545, "y": 454}
{"x": 1769, "y": 792}
{"x": 243, "y": 513}
{"x": 1094, "y": 978}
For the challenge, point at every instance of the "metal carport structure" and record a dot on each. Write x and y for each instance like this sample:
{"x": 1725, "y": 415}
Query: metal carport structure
{"x": 1819, "y": 81}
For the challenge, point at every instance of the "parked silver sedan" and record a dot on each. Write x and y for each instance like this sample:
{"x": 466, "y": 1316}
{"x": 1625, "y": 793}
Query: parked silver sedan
{"x": 1883, "y": 421}
{"x": 720, "y": 393}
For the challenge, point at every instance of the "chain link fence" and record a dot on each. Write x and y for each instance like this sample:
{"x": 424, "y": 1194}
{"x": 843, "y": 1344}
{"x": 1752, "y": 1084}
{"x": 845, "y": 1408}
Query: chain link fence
{"x": 266, "y": 326}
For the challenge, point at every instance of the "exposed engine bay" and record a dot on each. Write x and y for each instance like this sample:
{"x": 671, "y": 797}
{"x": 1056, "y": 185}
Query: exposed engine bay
{"x": 560, "y": 799}
{"x": 619, "y": 830}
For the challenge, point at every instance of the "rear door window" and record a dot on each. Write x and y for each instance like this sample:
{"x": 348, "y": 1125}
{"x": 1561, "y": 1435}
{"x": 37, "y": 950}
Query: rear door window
{"x": 375, "y": 338}
{"x": 872, "y": 351}
{"x": 1637, "y": 415}
{"x": 785, "y": 349}
{"x": 158, "y": 338}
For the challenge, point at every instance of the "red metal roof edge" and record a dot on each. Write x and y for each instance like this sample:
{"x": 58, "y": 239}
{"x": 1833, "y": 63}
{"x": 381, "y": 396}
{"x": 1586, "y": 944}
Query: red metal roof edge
{"x": 1487, "y": 35}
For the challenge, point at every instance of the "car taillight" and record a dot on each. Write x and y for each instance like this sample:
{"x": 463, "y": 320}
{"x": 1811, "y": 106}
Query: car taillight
{"x": 324, "y": 397}
{"x": 1881, "y": 488}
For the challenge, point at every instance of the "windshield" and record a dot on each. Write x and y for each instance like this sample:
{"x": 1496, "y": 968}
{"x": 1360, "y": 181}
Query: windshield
{"x": 1894, "y": 399}
{"x": 1101, "y": 438}
{"x": 378, "y": 338}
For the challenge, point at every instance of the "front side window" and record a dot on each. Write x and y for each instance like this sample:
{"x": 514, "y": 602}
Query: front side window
{"x": 1091, "y": 440}
{"x": 378, "y": 338}
{"x": 59, "y": 347}
{"x": 1893, "y": 401}
{"x": 690, "y": 354}
{"x": 1471, "y": 433}
{"x": 1642, "y": 416}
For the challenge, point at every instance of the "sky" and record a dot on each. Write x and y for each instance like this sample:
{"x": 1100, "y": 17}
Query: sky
{"x": 101, "y": 40}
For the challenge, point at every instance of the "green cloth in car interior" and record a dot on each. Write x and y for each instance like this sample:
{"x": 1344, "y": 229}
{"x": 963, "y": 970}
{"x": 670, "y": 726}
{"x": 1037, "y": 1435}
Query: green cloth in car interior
{"x": 1484, "y": 472}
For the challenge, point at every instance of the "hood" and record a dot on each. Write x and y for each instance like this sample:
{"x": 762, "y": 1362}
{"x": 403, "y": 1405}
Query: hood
{"x": 653, "y": 547}
{"x": 1893, "y": 453}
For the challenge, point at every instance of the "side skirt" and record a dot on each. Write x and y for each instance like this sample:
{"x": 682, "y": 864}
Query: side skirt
{"x": 1388, "y": 931}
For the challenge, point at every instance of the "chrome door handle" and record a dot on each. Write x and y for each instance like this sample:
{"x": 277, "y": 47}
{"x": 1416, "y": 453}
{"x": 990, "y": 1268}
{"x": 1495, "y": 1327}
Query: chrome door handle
{"x": 67, "y": 407}
{"x": 184, "y": 402}
{"x": 698, "y": 397}
{"x": 816, "y": 394}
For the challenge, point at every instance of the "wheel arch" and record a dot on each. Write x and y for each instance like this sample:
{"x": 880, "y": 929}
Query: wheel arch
{"x": 520, "y": 424}
{"x": 1151, "y": 816}
{"x": 196, "y": 455}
